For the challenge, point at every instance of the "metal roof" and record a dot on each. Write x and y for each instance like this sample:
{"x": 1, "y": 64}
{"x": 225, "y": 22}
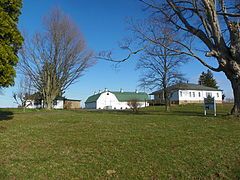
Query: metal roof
{"x": 93, "y": 98}
{"x": 122, "y": 96}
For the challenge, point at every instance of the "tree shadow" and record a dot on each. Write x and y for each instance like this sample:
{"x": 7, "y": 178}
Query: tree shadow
{"x": 5, "y": 115}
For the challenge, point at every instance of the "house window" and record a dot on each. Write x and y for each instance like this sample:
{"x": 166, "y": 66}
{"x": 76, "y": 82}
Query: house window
{"x": 180, "y": 93}
{"x": 107, "y": 93}
{"x": 55, "y": 102}
{"x": 217, "y": 94}
{"x": 208, "y": 94}
{"x": 199, "y": 94}
{"x": 193, "y": 94}
{"x": 190, "y": 94}
{"x": 37, "y": 102}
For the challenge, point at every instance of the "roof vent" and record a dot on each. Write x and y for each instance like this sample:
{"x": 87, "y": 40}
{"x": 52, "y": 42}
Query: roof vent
{"x": 95, "y": 93}
{"x": 106, "y": 90}
{"x": 121, "y": 90}
{"x": 99, "y": 91}
{"x": 136, "y": 91}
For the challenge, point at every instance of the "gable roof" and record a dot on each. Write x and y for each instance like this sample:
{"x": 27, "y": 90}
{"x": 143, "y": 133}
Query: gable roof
{"x": 93, "y": 98}
{"x": 122, "y": 96}
{"x": 187, "y": 86}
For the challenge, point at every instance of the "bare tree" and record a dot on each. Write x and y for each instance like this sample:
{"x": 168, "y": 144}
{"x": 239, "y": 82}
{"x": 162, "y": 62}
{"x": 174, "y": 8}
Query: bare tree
{"x": 154, "y": 40}
{"x": 134, "y": 104}
{"x": 159, "y": 65}
{"x": 24, "y": 90}
{"x": 215, "y": 27}
{"x": 55, "y": 58}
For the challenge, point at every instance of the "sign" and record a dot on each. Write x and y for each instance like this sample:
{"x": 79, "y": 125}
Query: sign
{"x": 210, "y": 105}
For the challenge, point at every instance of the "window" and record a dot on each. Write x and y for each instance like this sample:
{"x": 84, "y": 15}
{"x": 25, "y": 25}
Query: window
{"x": 37, "y": 102}
{"x": 208, "y": 94}
{"x": 180, "y": 93}
{"x": 55, "y": 102}
{"x": 199, "y": 94}
{"x": 193, "y": 94}
{"x": 217, "y": 94}
{"x": 190, "y": 94}
{"x": 107, "y": 93}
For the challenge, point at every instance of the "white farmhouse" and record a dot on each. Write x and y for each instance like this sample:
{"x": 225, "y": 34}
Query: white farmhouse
{"x": 184, "y": 93}
{"x": 116, "y": 100}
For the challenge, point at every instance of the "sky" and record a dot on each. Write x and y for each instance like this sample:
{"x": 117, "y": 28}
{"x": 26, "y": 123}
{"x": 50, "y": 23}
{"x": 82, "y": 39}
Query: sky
{"x": 103, "y": 25}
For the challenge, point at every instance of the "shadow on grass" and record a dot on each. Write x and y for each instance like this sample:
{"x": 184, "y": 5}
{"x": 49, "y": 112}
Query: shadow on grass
{"x": 5, "y": 115}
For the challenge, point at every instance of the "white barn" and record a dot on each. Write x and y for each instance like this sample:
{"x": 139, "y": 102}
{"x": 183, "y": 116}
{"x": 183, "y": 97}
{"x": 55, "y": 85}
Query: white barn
{"x": 116, "y": 100}
{"x": 184, "y": 93}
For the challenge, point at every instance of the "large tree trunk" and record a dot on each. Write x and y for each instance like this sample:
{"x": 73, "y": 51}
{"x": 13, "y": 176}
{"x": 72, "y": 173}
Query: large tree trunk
{"x": 233, "y": 74}
{"x": 236, "y": 93}
{"x": 48, "y": 103}
{"x": 166, "y": 100}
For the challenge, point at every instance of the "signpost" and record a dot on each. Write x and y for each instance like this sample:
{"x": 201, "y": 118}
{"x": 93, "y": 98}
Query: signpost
{"x": 210, "y": 104}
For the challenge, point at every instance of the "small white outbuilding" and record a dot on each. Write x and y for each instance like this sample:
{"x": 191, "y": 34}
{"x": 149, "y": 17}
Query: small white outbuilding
{"x": 35, "y": 101}
{"x": 116, "y": 100}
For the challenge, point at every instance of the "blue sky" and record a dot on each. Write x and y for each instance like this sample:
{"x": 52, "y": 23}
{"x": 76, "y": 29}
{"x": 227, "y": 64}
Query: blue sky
{"x": 103, "y": 24}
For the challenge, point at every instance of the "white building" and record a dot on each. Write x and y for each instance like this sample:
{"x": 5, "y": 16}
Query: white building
{"x": 35, "y": 102}
{"x": 184, "y": 93}
{"x": 116, "y": 100}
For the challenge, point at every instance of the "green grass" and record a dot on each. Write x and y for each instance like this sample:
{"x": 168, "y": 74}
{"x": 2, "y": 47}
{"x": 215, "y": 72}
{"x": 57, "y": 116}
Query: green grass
{"x": 152, "y": 144}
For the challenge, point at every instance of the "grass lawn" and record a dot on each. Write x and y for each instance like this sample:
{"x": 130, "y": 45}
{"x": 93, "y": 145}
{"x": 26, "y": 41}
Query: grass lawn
{"x": 152, "y": 144}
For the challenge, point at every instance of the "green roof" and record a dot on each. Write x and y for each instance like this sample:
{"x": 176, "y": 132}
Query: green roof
{"x": 122, "y": 96}
{"x": 93, "y": 98}
{"x": 187, "y": 86}
{"x": 127, "y": 96}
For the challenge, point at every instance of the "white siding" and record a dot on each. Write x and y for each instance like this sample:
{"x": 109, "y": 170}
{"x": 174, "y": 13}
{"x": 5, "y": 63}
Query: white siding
{"x": 59, "y": 104}
{"x": 193, "y": 95}
{"x": 31, "y": 104}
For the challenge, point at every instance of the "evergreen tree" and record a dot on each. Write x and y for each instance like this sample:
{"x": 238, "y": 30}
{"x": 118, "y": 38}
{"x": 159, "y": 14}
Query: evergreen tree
{"x": 207, "y": 79}
{"x": 10, "y": 40}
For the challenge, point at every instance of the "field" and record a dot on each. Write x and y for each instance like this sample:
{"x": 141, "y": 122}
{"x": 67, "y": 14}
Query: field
{"x": 151, "y": 144}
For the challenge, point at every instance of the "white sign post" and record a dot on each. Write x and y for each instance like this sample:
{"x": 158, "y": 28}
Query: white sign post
{"x": 210, "y": 104}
